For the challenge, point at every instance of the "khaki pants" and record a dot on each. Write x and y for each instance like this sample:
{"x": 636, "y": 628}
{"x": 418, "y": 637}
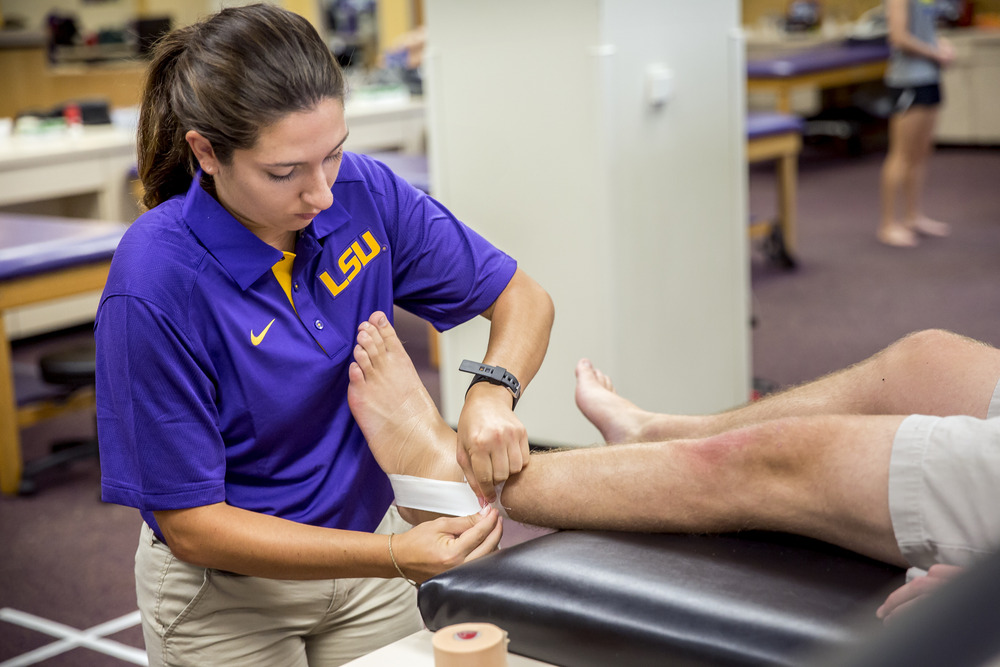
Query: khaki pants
{"x": 197, "y": 616}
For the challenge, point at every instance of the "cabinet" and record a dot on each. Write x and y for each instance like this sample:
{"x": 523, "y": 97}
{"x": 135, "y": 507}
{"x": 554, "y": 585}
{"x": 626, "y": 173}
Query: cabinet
{"x": 601, "y": 143}
{"x": 971, "y": 91}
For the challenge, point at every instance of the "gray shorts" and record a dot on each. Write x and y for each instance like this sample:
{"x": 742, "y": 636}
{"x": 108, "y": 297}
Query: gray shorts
{"x": 944, "y": 487}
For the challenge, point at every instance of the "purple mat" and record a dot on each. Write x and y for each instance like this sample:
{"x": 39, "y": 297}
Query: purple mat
{"x": 32, "y": 244}
{"x": 765, "y": 124}
{"x": 817, "y": 60}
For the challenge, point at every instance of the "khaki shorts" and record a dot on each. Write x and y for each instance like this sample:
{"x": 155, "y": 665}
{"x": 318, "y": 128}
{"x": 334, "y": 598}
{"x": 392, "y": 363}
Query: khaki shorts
{"x": 197, "y": 616}
{"x": 944, "y": 487}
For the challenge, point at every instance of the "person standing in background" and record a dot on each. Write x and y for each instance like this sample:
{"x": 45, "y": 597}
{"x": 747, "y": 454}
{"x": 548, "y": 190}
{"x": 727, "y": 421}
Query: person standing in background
{"x": 914, "y": 77}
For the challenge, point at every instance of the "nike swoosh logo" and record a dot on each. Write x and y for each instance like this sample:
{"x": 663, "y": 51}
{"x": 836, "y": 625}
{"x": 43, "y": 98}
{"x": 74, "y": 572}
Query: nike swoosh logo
{"x": 255, "y": 339}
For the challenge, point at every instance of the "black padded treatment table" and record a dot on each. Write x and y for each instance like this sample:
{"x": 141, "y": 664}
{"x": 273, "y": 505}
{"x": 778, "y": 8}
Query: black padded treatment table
{"x": 587, "y": 598}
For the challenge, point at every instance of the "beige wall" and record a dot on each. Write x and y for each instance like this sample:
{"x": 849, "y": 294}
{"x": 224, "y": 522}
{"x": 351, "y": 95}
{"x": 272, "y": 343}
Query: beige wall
{"x": 31, "y": 83}
{"x": 108, "y": 14}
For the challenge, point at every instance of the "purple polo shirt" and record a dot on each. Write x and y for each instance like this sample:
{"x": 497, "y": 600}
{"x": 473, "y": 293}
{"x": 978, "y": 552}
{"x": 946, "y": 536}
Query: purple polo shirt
{"x": 211, "y": 387}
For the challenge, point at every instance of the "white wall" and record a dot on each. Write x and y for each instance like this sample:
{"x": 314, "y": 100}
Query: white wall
{"x": 632, "y": 217}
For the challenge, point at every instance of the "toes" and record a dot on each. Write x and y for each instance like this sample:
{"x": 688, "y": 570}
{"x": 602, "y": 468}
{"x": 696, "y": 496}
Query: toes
{"x": 585, "y": 371}
{"x": 388, "y": 334}
{"x": 362, "y": 360}
{"x": 355, "y": 373}
{"x": 371, "y": 340}
{"x": 604, "y": 380}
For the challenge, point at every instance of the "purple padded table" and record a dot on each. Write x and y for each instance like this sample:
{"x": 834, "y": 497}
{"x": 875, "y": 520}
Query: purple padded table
{"x": 829, "y": 66}
{"x": 775, "y": 136}
{"x": 43, "y": 258}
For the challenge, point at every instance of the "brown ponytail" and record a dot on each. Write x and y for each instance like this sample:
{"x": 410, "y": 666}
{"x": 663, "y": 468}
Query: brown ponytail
{"x": 227, "y": 77}
{"x": 165, "y": 161}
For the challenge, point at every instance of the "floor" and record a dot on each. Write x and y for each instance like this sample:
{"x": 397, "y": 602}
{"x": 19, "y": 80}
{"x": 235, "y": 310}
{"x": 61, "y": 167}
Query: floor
{"x": 66, "y": 585}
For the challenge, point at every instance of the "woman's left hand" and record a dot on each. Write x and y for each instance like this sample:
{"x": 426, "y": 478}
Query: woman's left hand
{"x": 492, "y": 441}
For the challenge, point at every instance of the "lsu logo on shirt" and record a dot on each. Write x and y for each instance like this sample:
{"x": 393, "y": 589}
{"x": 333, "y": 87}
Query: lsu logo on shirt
{"x": 351, "y": 262}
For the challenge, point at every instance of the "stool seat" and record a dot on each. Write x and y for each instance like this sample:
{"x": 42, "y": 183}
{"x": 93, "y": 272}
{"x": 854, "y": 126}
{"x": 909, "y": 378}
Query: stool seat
{"x": 73, "y": 367}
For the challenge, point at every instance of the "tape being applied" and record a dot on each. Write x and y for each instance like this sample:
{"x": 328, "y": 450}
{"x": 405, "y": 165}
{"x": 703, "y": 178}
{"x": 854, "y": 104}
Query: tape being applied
{"x": 435, "y": 495}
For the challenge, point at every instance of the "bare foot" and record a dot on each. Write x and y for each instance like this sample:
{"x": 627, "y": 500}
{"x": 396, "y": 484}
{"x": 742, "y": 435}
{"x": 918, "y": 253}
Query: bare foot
{"x": 897, "y": 236}
{"x": 929, "y": 227}
{"x": 619, "y": 420}
{"x": 403, "y": 427}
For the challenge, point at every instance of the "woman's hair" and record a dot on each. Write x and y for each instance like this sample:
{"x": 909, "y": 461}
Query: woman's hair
{"x": 227, "y": 77}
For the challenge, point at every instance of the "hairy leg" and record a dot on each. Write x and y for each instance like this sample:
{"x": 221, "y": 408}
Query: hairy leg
{"x": 930, "y": 372}
{"x": 822, "y": 476}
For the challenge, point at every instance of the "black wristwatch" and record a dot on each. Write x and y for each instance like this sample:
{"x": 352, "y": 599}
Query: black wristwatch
{"x": 494, "y": 375}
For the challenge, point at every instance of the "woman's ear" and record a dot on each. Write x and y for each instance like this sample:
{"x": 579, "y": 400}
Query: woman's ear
{"x": 202, "y": 149}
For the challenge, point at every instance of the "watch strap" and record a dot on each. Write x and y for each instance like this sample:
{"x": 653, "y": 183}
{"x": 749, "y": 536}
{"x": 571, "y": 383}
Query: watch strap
{"x": 492, "y": 374}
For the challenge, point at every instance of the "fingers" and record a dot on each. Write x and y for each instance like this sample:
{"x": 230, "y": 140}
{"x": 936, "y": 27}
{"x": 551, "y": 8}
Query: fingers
{"x": 894, "y": 613}
{"x": 901, "y": 596}
{"x": 491, "y": 456}
{"x": 474, "y": 535}
{"x": 439, "y": 545}
{"x": 490, "y": 543}
{"x": 905, "y": 595}
{"x": 484, "y": 472}
{"x": 465, "y": 463}
{"x": 480, "y": 536}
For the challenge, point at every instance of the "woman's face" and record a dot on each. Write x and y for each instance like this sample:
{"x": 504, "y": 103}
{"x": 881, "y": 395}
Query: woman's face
{"x": 277, "y": 187}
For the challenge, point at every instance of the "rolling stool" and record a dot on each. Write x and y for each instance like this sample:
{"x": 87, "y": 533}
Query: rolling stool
{"x": 72, "y": 368}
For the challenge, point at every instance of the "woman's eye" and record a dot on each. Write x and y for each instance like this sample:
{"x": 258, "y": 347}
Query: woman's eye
{"x": 336, "y": 156}
{"x": 281, "y": 177}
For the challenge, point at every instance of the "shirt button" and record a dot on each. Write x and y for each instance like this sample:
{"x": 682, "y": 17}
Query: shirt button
{"x": 318, "y": 324}
{"x": 295, "y": 287}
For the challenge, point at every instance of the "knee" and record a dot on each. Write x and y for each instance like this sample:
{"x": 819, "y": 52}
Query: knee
{"x": 927, "y": 344}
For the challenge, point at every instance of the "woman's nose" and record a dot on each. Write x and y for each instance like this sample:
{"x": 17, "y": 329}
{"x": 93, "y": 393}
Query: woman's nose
{"x": 319, "y": 194}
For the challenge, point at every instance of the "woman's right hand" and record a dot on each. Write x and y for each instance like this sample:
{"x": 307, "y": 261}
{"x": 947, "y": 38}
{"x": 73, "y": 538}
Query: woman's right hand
{"x": 433, "y": 547}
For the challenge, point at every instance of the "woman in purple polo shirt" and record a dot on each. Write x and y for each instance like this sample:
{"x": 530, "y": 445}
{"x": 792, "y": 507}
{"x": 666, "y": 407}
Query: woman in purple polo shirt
{"x": 224, "y": 337}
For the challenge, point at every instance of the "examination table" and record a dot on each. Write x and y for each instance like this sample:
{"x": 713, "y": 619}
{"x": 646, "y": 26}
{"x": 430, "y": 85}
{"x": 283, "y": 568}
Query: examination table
{"x": 586, "y": 598}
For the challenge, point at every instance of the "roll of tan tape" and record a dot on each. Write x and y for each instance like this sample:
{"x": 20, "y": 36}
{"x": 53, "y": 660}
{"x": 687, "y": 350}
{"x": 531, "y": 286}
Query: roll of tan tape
{"x": 470, "y": 645}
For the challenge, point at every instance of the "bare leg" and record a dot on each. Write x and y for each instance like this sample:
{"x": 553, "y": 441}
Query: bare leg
{"x": 822, "y": 476}
{"x": 921, "y": 127}
{"x": 911, "y": 137}
{"x": 896, "y": 178}
{"x": 931, "y": 372}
